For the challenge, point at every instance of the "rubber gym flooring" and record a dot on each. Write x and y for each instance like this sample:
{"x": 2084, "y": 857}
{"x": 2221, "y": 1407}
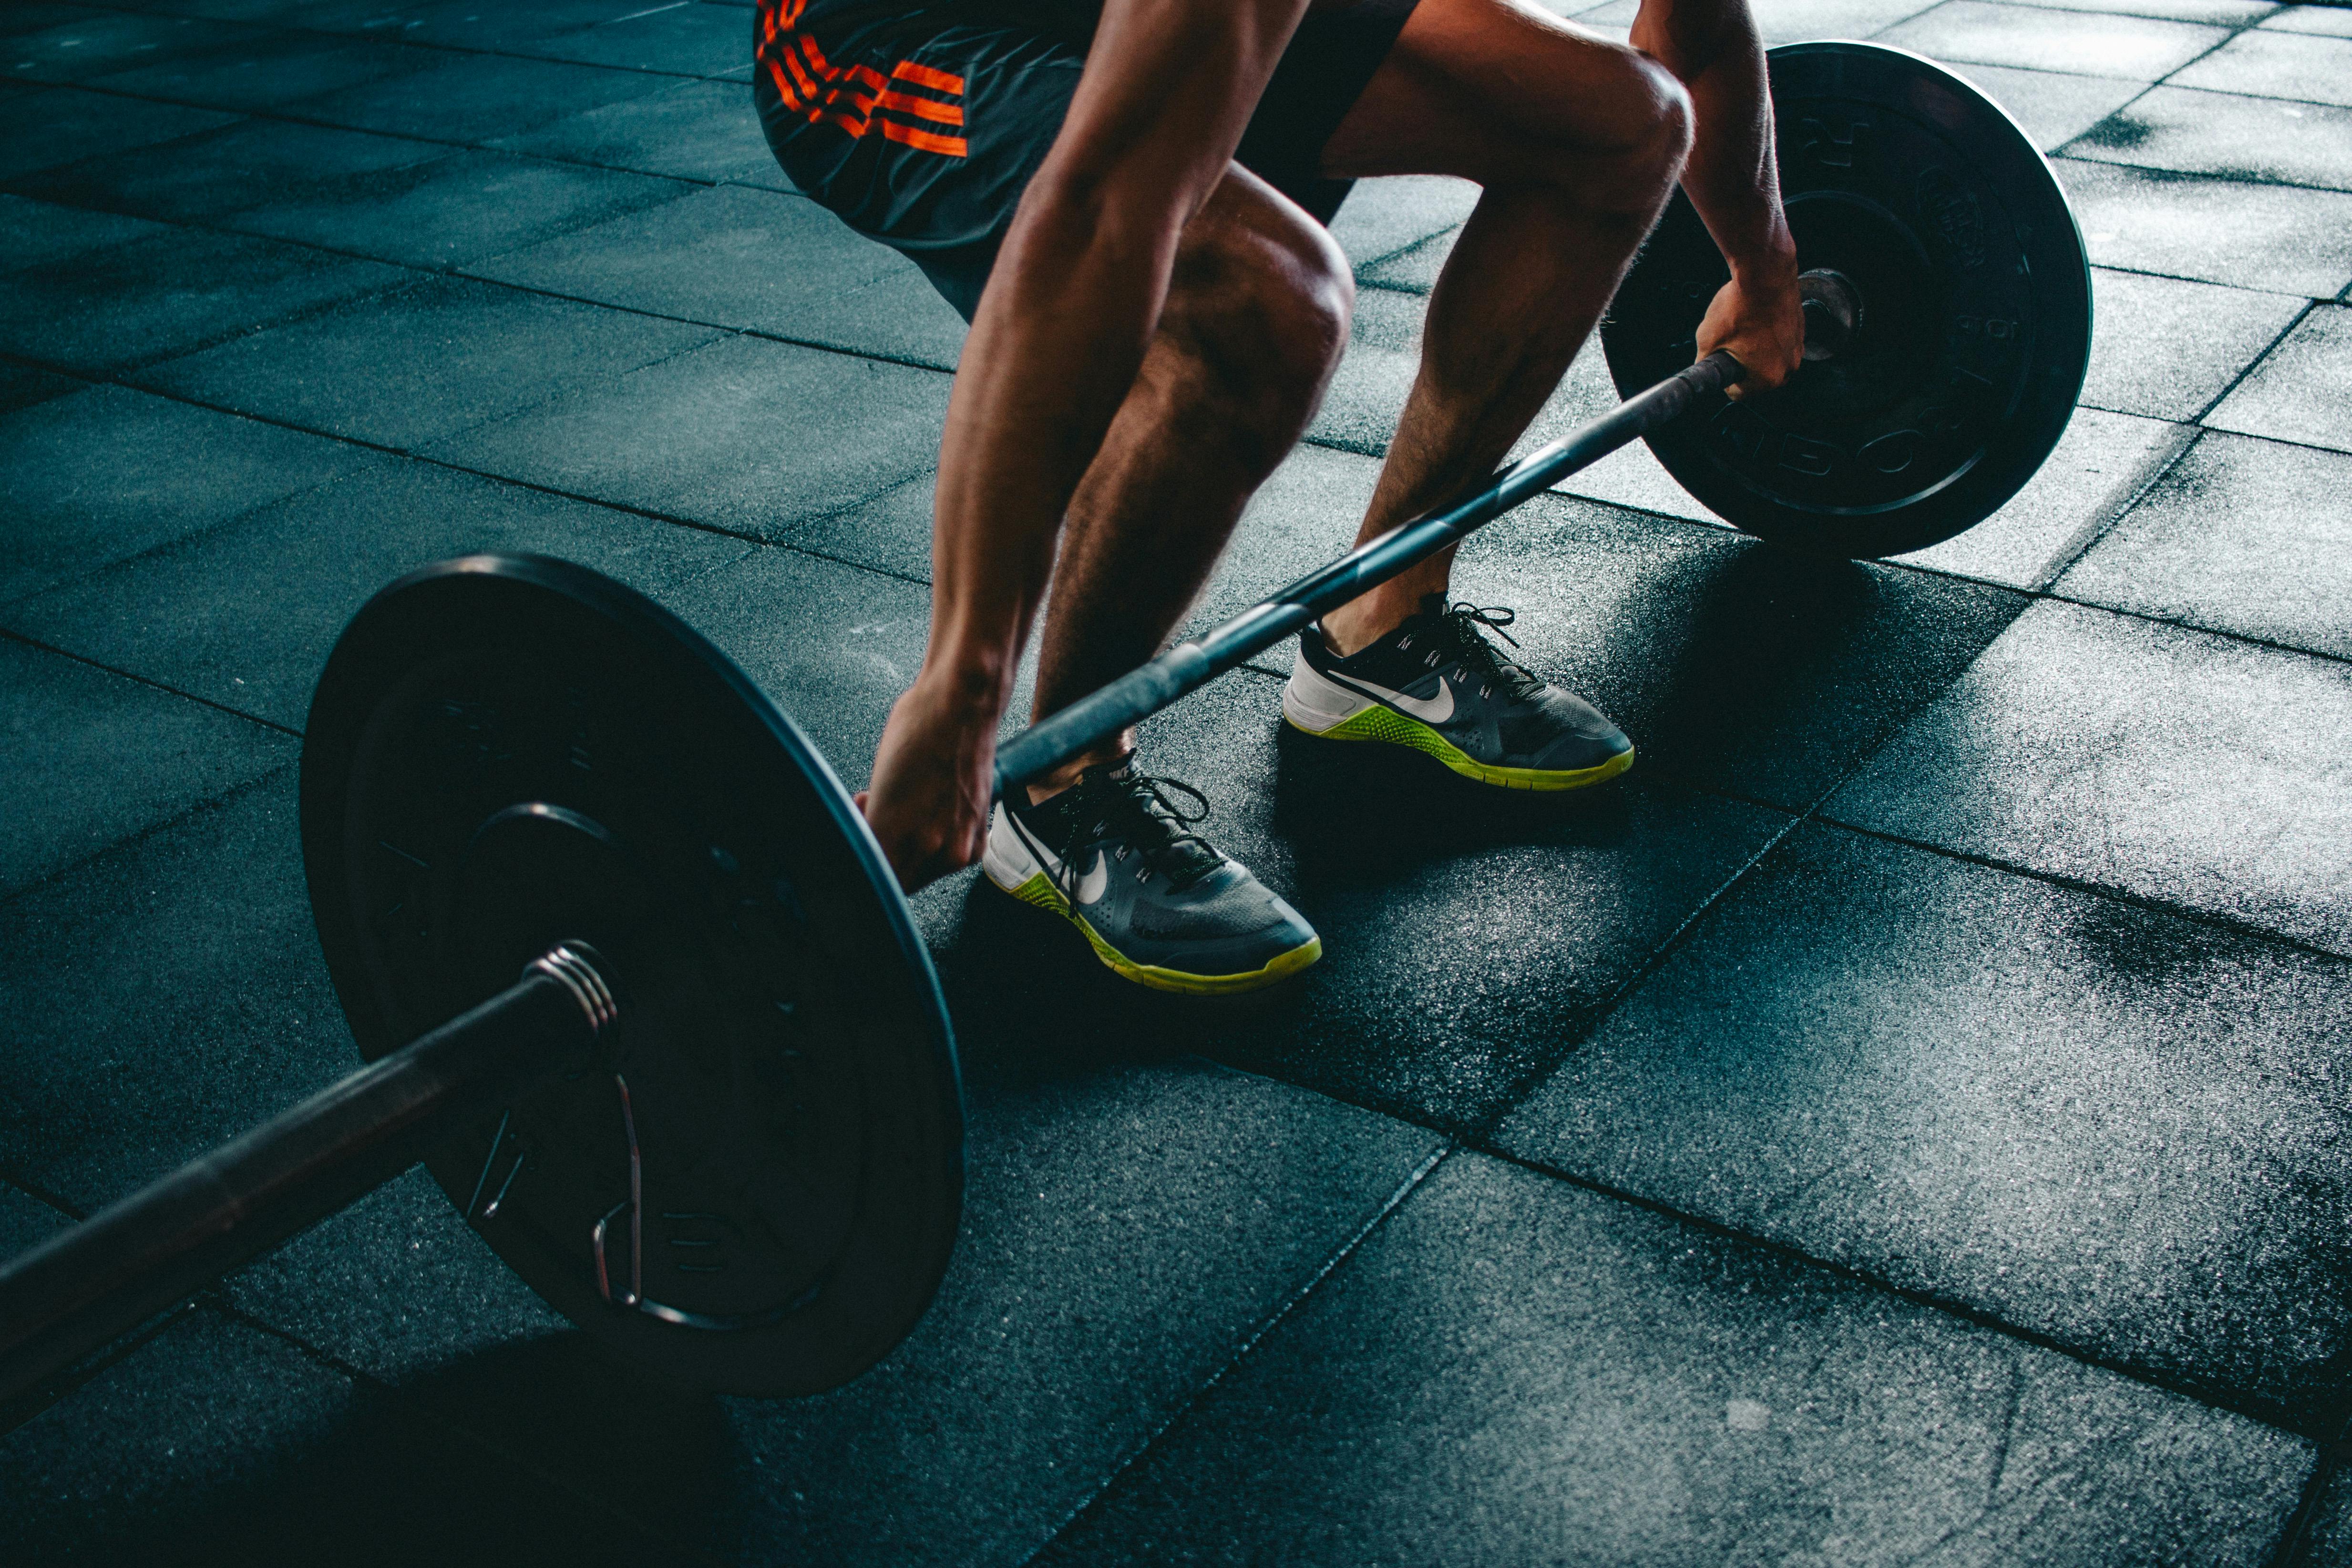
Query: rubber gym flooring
{"x": 1904, "y": 1121}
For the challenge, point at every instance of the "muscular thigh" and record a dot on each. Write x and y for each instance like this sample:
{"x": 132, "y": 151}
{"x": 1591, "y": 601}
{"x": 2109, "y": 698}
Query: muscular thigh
{"x": 1492, "y": 90}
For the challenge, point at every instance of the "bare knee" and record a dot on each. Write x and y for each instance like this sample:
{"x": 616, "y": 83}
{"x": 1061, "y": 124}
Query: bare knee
{"x": 1659, "y": 109}
{"x": 1258, "y": 309}
{"x": 1617, "y": 141}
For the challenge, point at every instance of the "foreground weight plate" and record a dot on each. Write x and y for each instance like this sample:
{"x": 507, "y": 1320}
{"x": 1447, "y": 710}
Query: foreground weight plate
{"x": 1975, "y": 323}
{"x": 758, "y": 1191}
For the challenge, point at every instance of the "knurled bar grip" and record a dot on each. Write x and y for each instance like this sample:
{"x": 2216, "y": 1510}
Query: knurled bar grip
{"x": 1189, "y": 666}
{"x": 130, "y": 1260}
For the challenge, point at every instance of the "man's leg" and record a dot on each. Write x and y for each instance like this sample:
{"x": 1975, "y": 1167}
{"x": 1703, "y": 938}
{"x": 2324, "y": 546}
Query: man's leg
{"x": 1576, "y": 143}
{"x": 1255, "y": 321}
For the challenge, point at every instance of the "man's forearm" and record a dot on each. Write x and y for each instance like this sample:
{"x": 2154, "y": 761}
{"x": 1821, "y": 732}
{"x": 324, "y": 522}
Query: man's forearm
{"x": 1715, "y": 50}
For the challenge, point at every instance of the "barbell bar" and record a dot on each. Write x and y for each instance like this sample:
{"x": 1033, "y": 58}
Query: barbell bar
{"x": 718, "y": 1122}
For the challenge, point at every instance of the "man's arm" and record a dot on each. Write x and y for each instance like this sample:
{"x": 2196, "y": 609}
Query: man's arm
{"x": 1061, "y": 330}
{"x": 1713, "y": 46}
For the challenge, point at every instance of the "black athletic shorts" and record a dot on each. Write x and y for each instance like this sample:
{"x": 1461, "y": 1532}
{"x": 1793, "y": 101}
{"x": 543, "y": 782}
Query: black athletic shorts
{"x": 920, "y": 124}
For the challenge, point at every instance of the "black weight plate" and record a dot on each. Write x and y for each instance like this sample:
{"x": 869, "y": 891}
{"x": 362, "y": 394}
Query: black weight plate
{"x": 1976, "y": 314}
{"x": 758, "y": 1193}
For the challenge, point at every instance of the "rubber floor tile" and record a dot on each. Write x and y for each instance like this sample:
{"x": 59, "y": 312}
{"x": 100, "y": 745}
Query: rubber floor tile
{"x": 694, "y": 130}
{"x": 1381, "y": 217}
{"x": 1414, "y": 269}
{"x": 2100, "y": 464}
{"x": 464, "y": 24}
{"x": 37, "y": 16}
{"x": 2303, "y": 391}
{"x": 153, "y": 298}
{"x": 170, "y": 994}
{"x": 2135, "y": 48}
{"x": 455, "y": 210}
{"x": 752, "y": 259}
{"x": 88, "y": 759}
{"x": 2227, "y": 135}
{"x": 1793, "y": 21}
{"x": 476, "y": 98}
{"x": 244, "y": 615}
{"x": 2273, "y": 237}
{"x": 2326, "y": 20}
{"x": 101, "y": 41}
{"x": 2120, "y": 1130}
{"x": 743, "y": 435}
{"x": 2168, "y": 349}
{"x": 2273, "y": 64}
{"x": 1513, "y": 1370}
{"x": 1125, "y": 1227}
{"x": 2178, "y": 766}
{"x": 214, "y": 1442}
{"x": 42, "y": 234}
{"x": 2329, "y": 1536}
{"x": 2220, "y": 13}
{"x": 692, "y": 40}
{"x": 833, "y": 645}
{"x": 422, "y": 362}
{"x": 90, "y": 479}
{"x": 2248, "y": 537}
{"x": 265, "y": 71}
{"x": 2053, "y": 107}
{"x": 22, "y": 386}
{"x": 200, "y": 178}
{"x": 401, "y": 1288}
{"x": 60, "y": 125}
{"x": 26, "y": 1220}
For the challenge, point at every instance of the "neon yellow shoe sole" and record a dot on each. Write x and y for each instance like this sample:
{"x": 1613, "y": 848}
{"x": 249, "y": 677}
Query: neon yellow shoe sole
{"x": 1040, "y": 891}
{"x": 1388, "y": 726}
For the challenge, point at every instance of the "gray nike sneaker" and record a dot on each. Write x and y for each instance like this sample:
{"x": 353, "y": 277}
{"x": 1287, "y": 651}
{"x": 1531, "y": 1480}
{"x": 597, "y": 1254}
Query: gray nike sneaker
{"x": 1436, "y": 685}
{"x": 1115, "y": 856}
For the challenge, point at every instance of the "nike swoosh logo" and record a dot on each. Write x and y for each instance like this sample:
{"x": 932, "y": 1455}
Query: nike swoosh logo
{"x": 1091, "y": 885}
{"x": 1429, "y": 710}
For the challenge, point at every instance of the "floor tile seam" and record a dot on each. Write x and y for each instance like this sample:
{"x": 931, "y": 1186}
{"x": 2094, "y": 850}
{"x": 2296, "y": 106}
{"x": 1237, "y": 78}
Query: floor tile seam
{"x": 2256, "y": 363}
{"x": 2240, "y": 177}
{"x": 2202, "y": 282}
{"x": 2167, "y": 81}
{"x": 140, "y": 836}
{"x": 1589, "y": 1020}
{"x": 1915, "y": 16}
{"x": 735, "y": 328}
{"x": 10, "y": 633}
{"x": 2181, "y": 624}
{"x": 605, "y": 504}
{"x": 39, "y": 1192}
{"x": 2293, "y": 1547}
{"x": 2266, "y": 1411}
{"x": 1386, "y": 257}
{"x": 1388, "y": 286}
{"x": 293, "y": 29}
{"x": 2106, "y": 892}
{"x": 214, "y": 1300}
{"x": 2135, "y": 15}
{"x": 62, "y": 1386}
{"x": 1281, "y": 1314}
{"x": 279, "y": 117}
{"x": 2087, "y": 534}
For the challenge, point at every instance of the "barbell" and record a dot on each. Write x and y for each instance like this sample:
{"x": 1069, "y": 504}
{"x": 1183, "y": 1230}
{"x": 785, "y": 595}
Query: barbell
{"x": 629, "y": 972}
